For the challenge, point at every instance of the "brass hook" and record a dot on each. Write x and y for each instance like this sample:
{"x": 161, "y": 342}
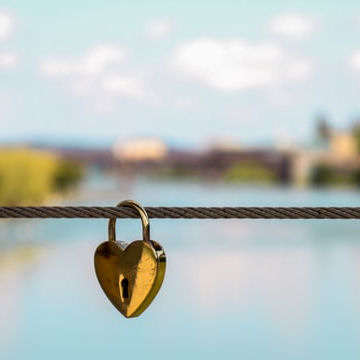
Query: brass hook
{"x": 144, "y": 220}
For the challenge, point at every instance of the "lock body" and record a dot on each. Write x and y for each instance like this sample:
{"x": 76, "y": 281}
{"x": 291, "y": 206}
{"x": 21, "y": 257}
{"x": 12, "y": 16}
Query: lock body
{"x": 130, "y": 275}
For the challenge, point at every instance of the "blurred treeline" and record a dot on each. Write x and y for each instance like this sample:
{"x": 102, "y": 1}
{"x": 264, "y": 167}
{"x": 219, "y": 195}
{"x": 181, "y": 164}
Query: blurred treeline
{"x": 250, "y": 172}
{"x": 346, "y": 170}
{"x": 326, "y": 175}
{"x": 30, "y": 177}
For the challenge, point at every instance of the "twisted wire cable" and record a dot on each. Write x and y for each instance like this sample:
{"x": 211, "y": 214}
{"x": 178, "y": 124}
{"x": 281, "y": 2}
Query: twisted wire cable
{"x": 163, "y": 212}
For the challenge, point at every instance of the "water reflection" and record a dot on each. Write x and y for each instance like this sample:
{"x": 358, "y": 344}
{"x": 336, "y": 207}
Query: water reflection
{"x": 233, "y": 289}
{"x": 14, "y": 270}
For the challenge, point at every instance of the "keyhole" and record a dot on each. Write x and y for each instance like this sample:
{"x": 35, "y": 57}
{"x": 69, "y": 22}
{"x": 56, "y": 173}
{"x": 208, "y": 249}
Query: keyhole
{"x": 125, "y": 288}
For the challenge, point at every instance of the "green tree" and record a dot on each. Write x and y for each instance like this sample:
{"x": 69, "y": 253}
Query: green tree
{"x": 28, "y": 177}
{"x": 323, "y": 175}
{"x": 67, "y": 175}
{"x": 250, "y": 172}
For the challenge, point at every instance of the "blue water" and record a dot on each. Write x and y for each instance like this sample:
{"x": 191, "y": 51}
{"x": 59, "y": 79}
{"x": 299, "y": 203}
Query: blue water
{"x": 234, "y": 289}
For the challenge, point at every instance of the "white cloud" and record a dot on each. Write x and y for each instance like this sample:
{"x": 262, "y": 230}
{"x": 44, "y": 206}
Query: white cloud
{"x": 94, "y": 62}
{"x": 159, "y": 29}
{"x": 6, "y": 25}
{"x": 8, "y": 61}
{"x": 99, "y": 73}
{"x": 292, "y": 25}
{"x": 235, "y": 64}
{"x": 354, "y": 61}
{"x": 123, "y": 84}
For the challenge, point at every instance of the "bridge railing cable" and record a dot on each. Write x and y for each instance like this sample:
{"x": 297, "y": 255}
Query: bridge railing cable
{"x": 164, "y": 212}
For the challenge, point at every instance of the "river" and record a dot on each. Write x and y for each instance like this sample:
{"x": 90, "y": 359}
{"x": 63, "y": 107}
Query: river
{"x": 234, "y": 289}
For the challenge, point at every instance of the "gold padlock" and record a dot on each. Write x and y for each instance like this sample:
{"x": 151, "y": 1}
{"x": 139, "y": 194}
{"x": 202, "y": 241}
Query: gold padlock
{"x": 130, "y": 274}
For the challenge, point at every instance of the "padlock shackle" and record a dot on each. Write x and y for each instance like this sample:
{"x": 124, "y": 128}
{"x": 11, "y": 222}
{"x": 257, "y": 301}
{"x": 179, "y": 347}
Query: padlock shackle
{"x": 143, "y": 215}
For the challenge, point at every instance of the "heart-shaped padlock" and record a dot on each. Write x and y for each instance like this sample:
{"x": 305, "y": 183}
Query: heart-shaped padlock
{"x": 130, "y": 274}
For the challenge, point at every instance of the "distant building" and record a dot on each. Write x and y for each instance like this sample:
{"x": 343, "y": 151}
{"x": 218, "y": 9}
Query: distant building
{"x": 140, "y": 150}
{"x": 224, "y": 144}
{"x": 303, "y": 162}
{"x": 342, "y": 147}
{"x": 338, "y": 150}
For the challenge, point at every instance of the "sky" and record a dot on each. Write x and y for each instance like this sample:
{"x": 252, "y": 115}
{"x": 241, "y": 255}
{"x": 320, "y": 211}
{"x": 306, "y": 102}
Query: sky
{"x": 91, "y": 72}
